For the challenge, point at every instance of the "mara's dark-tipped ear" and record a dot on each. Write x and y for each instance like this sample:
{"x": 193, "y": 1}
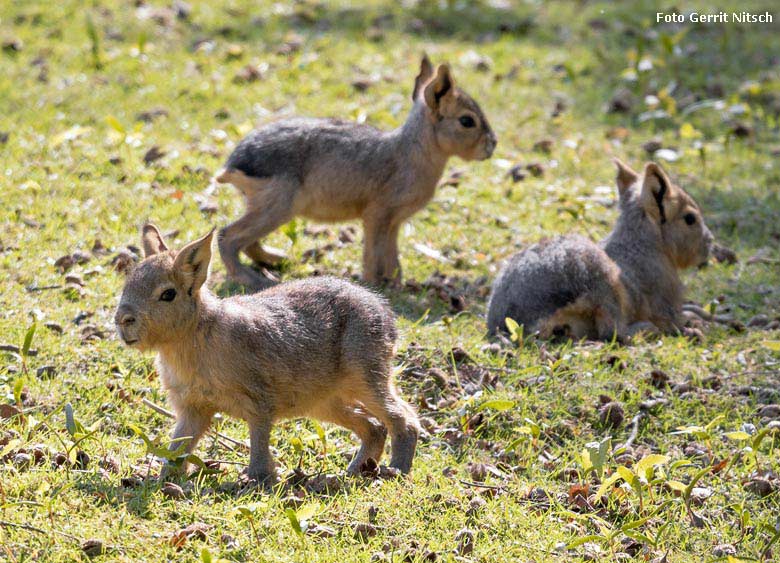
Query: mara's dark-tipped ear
{"x": 441, "y": 86}
{"x": 626, "y": 176}
{"x": 426, "y": 71}
{"x": 192, "y": 262}
{"x": 657, "y": 191}
{"x": 152, "y": 240}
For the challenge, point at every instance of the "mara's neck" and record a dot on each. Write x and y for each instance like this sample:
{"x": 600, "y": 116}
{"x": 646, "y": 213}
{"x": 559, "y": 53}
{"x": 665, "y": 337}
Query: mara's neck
{"x": 416, "y": 141}
{"x": 647, "y": 271}
{"x": 192, "y": 338}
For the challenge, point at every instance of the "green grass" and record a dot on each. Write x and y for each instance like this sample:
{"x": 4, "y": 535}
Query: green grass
{"x": 75, "y": 79}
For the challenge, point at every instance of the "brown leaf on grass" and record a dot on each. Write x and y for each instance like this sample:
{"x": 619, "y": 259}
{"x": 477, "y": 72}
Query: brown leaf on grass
{"x": 652, "y": 145}
{"x": 619, "y": 134}
{"x": 64, "y": 263}
{"x": 769, "y": 411}
{"x": 723, "y": 254}
{"x": 172, "y": 490}
{"x": 22, "y": 460}
{"x": 208, "y": 206}
{"x": 249, "y": 73}
{"x": 324, "y": 484}
{"x": 12, "y": 45}
{"x": 292, "y": 45}
{"x": 578, "y": 494}
{"x": 724, "y": 550}
{"x": 320, "y": 531}
{"x": 761, "y": 487}
{"x": 544, "y": 145}
{"x": 622, "y": 102}
{"x": 758, "y": 321}
{"x": 453, "y": 179}
{"x": 91, "y": 332}
{"x": 151, "y": 115}
{"x": 124, "y": 260}
{"x": 742, "y": 130}
{"x": 195, "y": 531}
{"x": 363, "y": 531}
{"x": 93, "y": 548}
{"x": 153, "y": 154}
{"x": 536, "y": 169}
{"x": 465, "y": 540}
{"x": 478, "y": 472}
{"x": 611, "y": 415}
{"x": 517, "y": 173}
{"x": 9, "y": 411}
{"x": 363, "y": 83}
{"x": 658, "y": 379}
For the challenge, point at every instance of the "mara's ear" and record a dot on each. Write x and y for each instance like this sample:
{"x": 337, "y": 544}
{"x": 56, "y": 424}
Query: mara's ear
{"x": 152, "y": 240}
{"x": 657, "y": 191}
{"x": 426, "y": 71}
{"x": 192, "y": 262}
{"x": 626, "y": 176}
{"x": 441, "y": 86}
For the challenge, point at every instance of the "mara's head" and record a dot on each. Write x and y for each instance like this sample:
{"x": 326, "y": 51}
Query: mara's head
{"x": 161, "y": 294}
{"x": 668, "y": 210}
{"x": 460, "y": 128}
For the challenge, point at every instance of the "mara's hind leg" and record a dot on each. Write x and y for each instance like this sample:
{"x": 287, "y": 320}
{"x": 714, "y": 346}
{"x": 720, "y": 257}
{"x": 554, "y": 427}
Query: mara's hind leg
{"x": 609, "y": 322}
{"x": 369, "y": 430}
{"x": 587, "y": 317}
{"x": 267, "y": 209}
{"x": 381, "y": 400}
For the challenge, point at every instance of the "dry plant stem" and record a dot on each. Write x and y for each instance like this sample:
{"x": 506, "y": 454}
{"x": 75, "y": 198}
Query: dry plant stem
{"x": 30, "y": 528}
{"x": 169, "y": 414}
{"x": 481, "y": 485}
{"x": 634, "y": 431}
{"x": 706, "y": 315}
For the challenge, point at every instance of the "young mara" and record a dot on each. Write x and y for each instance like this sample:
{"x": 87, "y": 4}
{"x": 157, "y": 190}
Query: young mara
{"x": 572, "y": 287}
{"x": 331, "y": 170}
{"x": 320, "y": 348}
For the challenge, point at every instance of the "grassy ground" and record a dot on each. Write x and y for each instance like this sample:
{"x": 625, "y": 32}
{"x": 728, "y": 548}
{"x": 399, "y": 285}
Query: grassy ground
{"x": 87, "y": 91}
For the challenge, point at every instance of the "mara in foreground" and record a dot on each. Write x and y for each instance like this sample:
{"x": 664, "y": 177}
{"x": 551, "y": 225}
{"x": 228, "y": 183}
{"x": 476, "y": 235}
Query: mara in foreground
{"x": 320, "y": 348}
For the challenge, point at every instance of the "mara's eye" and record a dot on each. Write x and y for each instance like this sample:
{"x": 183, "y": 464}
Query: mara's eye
{"x": 690, "y": 218}
{"x": 467, "y": 121}
{"x": 168, "y": 295}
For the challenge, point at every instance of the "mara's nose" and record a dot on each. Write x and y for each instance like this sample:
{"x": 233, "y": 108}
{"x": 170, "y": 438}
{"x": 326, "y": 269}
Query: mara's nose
{"x": 492, "y": 141}
{"x": 124, "y": 316}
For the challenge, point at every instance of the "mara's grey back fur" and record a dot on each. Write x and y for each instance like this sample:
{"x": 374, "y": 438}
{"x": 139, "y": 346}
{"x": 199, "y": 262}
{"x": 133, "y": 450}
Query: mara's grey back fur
{"x": 331, "y": 170}
{"x": 319, "y": 348}
{"x": 571, "y": 286}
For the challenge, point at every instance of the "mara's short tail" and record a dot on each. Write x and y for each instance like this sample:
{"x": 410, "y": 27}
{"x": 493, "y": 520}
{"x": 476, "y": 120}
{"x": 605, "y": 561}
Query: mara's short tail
{"x": 224, "y": 176}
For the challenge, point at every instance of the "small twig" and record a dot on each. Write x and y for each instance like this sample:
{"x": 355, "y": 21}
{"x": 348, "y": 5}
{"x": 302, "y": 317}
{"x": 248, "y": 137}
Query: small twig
{"x": 29, "y": 528}
{"x": 169, "y": 414}
{"x": 227, "y": 461}
{"x": 481, "y": 485}
{"x": 634, "y": 431}
{"x": 34, "y": 288}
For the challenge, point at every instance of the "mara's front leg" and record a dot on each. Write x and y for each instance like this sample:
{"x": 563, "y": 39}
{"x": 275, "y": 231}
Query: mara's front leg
{"x": 191, "y": 424}
{"x": 380, "y": 250}
{"x": 392, "y": 261}
{"x": 261, "y": 464}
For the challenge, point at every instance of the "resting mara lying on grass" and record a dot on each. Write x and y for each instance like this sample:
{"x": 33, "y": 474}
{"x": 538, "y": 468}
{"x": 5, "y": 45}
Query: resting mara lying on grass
{"x": 572, "y": 287}
{"x": 321, "y": 348}
{"x": 332, "y": 170}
